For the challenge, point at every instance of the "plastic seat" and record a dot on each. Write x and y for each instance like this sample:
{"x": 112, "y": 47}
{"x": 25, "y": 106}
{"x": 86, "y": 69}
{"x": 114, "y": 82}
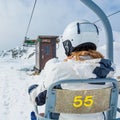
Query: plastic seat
{"x": 82, "y": 101}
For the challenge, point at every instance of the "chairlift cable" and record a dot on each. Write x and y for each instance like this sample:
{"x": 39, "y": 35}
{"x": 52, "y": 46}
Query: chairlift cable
{"x": 30, "y": 18}
{"x": 108, "y": 16}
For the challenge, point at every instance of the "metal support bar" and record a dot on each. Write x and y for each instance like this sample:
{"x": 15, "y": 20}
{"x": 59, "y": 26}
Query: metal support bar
{"x": 96, "y": 9}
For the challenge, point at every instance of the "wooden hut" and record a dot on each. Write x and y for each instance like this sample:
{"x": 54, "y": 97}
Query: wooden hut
{"x": 45, "y": 50}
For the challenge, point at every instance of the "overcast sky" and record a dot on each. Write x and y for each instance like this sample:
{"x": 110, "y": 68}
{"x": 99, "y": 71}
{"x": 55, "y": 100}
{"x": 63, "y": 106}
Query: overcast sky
{"x": 50, "y": 18}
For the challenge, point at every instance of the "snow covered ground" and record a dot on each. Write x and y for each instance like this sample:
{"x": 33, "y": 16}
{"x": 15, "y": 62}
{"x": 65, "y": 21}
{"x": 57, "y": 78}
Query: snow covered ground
{"x": 14, "y": 81}
{"x": 14, "y": 101}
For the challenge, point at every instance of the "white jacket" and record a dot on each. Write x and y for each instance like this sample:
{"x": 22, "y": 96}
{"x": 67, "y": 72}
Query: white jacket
{"x": 55, "y": 70}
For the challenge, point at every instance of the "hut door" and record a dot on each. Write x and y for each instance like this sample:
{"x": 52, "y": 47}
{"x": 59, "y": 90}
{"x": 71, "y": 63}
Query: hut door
{"x": 46, "y": 53}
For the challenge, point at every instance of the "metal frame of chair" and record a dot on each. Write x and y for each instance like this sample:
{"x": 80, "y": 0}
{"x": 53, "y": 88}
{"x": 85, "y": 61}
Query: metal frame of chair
{"x": 51, "y": 98}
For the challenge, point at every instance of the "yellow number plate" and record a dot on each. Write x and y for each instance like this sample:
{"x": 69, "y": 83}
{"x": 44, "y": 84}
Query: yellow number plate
{"x": 87, "y": 102}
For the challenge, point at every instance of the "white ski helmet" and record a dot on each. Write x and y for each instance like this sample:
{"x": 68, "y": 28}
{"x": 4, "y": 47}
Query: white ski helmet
{"x": 80, "y": 35}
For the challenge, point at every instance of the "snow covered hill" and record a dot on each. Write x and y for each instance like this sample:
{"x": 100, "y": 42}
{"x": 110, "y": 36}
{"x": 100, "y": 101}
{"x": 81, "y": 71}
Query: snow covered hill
{"x": 14, "y": 82}
{"x": 18, "y": 52}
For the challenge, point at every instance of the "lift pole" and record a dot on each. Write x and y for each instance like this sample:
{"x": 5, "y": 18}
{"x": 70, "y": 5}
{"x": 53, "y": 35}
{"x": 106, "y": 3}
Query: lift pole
{"x": 109, "y": 35}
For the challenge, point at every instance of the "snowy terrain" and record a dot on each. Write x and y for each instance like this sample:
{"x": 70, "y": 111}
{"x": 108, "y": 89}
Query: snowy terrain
{"x": 15, "y": 78}
{"x": 14, "y": 82}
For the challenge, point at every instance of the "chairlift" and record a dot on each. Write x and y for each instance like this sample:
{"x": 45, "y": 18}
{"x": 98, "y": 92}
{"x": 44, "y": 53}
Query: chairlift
{"x": 53, "y": 102}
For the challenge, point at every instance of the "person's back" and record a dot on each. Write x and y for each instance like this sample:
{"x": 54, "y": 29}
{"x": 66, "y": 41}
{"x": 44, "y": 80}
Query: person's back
{"x": 77, "y": 69}
{"x": 83, "y": 61}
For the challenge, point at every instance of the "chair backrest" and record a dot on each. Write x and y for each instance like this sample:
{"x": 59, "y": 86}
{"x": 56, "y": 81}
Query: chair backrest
{"x": 83, "y": 101}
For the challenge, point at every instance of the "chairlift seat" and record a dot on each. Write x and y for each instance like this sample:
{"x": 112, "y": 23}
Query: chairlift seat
{"x": 81, "y": 101}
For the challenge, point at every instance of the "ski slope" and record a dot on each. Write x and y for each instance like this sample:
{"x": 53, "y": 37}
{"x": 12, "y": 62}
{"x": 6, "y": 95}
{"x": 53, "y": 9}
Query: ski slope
{"x": 14, "y": 101}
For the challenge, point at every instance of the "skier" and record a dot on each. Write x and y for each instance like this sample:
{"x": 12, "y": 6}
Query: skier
{"x": 80, "y": 40}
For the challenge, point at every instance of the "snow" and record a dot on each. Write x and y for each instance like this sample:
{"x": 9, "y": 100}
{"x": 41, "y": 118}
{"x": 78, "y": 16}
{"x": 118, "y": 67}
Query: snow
{"x": 15, "y": 78}
{"x": 14, "y": 82}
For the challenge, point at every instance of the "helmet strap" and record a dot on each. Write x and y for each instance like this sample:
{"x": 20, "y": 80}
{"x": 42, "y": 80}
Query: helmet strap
{"x": 68, "y": 47}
